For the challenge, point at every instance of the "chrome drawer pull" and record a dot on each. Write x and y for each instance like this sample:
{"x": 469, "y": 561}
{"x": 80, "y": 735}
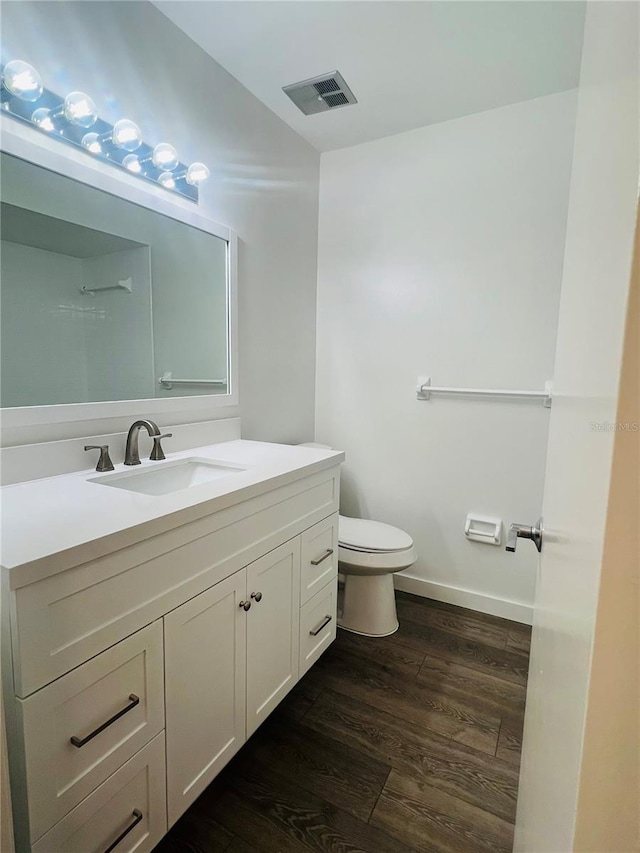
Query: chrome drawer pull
{"x": 138, "y": 817}
{"x": 76, "y": 741}
{"x": 315, "y": 631}
{"x": 326, "y": 554}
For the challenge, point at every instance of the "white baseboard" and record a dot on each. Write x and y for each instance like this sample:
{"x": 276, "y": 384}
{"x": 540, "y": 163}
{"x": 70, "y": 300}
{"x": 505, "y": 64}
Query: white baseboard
{"x": 513, "y": 610}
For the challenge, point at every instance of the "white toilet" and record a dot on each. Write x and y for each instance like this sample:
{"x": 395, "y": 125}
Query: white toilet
{"x": 369, "y": 552}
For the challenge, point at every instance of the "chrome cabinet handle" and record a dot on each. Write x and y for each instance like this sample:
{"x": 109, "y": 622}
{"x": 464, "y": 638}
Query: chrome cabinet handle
{"x": 326, "y": 554}
{"x": 315, "y": 631}
{"x": 137, "y": 814}
{"x": 257, "y": 596}
{"x": 133, "y": 699}
{"x": 245, "y": 605}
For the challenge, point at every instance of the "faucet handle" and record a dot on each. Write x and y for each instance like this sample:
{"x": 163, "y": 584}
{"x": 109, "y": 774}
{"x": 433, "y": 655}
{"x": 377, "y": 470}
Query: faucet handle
{"x": 104, "y": 462}
{"x": 157, "y": 453}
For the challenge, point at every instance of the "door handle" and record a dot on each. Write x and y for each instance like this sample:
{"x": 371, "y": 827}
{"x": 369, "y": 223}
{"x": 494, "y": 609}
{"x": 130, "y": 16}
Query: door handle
{"x": 523, "y": 531}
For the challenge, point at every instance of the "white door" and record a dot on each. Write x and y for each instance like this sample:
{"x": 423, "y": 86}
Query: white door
{"x": 273, "y": 627}
{"x": 593, "y": 302}
{"x": 205, "y": 669}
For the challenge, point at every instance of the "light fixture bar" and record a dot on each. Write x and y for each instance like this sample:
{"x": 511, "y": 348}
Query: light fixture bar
{"x": 75, "y": 121}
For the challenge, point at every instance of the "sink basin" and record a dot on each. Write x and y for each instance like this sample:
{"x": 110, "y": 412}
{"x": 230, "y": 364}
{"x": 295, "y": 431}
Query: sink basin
{"x": 169, "y": 477}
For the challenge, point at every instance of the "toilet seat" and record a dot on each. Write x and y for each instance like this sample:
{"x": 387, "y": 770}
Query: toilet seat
{"x": 375, "y": 562}
{"x": 372, "y": 537}
{"x": 368, "y": 547}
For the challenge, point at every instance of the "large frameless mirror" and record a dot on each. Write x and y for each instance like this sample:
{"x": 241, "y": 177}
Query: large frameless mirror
{"x": 104, "y": 299}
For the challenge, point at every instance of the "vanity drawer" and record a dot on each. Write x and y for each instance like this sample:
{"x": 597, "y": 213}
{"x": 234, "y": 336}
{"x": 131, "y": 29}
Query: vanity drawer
{"x": 132, "y": 801}
{"x": 80, "y": 729}
{"x": 318, "y": 625}
{"x": 319, "y": 557}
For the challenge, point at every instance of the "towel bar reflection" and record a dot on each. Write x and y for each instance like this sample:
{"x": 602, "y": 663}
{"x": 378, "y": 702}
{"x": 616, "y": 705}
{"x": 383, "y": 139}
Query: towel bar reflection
{"x": 425, "y": 389}
{"x": 167, "y": 381}
{"x": 125, "y": 284}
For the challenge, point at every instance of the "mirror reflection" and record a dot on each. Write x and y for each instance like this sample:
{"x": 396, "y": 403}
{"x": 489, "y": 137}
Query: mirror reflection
{"x": 102, "y": 299}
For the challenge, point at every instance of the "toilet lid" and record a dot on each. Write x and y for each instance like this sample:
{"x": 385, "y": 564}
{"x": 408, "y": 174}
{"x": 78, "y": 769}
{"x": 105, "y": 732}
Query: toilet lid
{"x": 365, "y": 535}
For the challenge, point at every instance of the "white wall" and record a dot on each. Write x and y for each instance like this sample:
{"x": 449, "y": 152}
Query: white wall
{"x": 264, "y": 180}
{"x": 440, "y": 253}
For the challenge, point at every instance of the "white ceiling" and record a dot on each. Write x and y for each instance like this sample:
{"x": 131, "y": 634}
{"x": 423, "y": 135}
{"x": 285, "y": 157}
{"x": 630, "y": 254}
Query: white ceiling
{"x": 409, "y": 64}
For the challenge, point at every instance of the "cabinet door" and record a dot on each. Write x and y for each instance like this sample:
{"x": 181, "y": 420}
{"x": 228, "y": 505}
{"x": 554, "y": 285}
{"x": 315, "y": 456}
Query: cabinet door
{"x": 273, "y": 585}
{"x": 205, "y": 673}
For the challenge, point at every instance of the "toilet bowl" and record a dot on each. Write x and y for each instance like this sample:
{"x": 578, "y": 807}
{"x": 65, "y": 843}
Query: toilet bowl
{"x": 369, "y": 552}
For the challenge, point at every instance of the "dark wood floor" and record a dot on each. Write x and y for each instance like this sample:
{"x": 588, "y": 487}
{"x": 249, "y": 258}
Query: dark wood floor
{"x": 396, "y": 745}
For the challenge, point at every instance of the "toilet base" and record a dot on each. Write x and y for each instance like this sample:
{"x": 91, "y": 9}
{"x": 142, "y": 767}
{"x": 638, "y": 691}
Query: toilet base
{"x": 362, "y": 633}
{"x": 369, "y": 605}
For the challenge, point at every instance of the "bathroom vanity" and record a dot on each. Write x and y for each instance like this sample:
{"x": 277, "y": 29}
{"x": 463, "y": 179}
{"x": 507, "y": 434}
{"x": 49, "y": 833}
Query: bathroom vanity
{"x": 147, "y": 634}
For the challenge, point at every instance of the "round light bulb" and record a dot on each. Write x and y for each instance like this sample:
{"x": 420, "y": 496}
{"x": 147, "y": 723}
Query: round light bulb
{"x": 132, "y": 163}
{"x": 22, "y": 80}
{"x": 42, "y": 119}
{"x": 165, "y": 157}
{"x": 91, "y": 141}
{"x": 79, "y": 109}
{"x": 197, "y": 173}
{"x": 127, "y": 135}
{"x": 167, "y": 180}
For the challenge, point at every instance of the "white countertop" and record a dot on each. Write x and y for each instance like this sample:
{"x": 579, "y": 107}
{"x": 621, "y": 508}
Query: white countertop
{"x": 59, "y": 522}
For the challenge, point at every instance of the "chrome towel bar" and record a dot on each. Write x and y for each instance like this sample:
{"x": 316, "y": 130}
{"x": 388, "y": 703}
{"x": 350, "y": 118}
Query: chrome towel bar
{"x": 425, "y": 389}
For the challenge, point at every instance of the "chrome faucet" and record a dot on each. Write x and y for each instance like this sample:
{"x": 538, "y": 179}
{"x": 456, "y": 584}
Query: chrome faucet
{"x": 131, "y": 454}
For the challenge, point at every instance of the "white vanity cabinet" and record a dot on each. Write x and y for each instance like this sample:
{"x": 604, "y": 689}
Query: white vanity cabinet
{"x": 135, "y": 676}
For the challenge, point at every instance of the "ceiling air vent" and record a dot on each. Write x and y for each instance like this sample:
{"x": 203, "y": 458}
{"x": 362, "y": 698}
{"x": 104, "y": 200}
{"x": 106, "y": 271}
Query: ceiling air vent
{"x": 319, "y": 94}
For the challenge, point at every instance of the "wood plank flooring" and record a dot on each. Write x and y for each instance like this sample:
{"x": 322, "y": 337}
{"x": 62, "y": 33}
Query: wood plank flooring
{"x": 406, "y": 744}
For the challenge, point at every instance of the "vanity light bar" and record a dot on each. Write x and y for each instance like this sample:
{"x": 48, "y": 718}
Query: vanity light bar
{"x": 74, "y": 119}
